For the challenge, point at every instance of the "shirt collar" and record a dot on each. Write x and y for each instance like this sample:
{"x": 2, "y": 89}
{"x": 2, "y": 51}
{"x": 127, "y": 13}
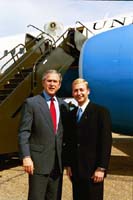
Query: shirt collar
{"x": 83, "y": 107}
{"x": 47, "y": 97}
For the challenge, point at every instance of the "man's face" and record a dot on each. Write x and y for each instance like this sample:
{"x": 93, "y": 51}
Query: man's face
{"x": 80, "y": 92}
{"x": 51, "y": 84}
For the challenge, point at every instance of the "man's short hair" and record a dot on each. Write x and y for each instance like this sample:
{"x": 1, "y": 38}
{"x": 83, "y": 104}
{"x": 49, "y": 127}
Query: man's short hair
{"x": 80, "y": 80}
{"x": 51, "y": 71}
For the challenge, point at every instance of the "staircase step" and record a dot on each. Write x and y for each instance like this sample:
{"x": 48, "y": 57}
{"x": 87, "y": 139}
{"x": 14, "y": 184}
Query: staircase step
{"x": 24, "y": 73}
{"x": 16, "y": 80}
{"x": 11, "y": 85}
{"x": 27, "y": 70}
{"x": 17, "y": 76}
{"x": 3, "y": 96}
{"x": 6, "y": 91}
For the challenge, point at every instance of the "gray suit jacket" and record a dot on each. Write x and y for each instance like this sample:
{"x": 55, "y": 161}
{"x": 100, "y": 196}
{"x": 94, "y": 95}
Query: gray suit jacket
{"x": 36, "y": 134}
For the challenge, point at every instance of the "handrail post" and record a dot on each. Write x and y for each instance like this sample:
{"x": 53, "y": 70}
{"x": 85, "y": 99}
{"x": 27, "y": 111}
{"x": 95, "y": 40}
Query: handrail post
{"x": 34, "y": 69}
{"x": 41, "y": 31}
{"x": 87, "y": 30}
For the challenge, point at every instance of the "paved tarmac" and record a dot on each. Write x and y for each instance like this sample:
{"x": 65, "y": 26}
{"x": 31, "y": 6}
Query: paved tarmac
{"x": 118, "y": 184}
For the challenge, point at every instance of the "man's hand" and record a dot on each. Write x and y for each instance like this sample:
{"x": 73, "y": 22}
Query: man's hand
{"x": 28, "y": 165}
{"x": 98, "y": 176}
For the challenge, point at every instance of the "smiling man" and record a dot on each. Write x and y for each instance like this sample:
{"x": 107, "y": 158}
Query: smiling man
{"x": 40, "y": 139}
{"x": 89, "y": 144}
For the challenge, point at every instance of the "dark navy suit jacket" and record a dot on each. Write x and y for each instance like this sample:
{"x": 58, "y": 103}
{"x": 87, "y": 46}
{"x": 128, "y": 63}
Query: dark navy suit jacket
{"x": 89, "y": 141}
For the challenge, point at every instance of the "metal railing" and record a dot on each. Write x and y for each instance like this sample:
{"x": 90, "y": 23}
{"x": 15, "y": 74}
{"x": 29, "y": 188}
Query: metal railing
{"x": 36, "y": 64}
{"x": 13, "y": 54}
{"x": 87, "y": 30}
{"x": 17, "y": 66}
{"x": 62, "y": 37}
{"x": 43, "y": 32}
{"x": 42, "y": 35}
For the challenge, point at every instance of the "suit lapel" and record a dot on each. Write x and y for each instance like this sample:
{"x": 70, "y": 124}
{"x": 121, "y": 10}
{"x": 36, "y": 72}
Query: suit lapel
{"x": 60, "y": 103}
{"x": 74, "y": 113}
{"x": 46, "y": 113}
{"x": 87, "y": 112}
{"x": 45, "y": 110}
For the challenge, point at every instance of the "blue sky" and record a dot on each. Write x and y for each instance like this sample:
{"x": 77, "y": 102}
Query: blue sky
{"x": 16, "y": 15}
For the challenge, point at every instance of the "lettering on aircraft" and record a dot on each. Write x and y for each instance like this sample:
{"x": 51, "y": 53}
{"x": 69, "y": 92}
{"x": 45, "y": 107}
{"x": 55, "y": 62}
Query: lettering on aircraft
{"x": 104, "y": 25}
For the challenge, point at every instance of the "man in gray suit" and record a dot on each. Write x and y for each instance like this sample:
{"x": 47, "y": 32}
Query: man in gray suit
{"x": 40, "y": 139}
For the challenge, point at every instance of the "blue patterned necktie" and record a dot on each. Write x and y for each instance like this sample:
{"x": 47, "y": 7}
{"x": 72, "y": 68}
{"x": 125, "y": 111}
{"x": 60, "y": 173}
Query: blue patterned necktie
{"x": 79, "y": 114}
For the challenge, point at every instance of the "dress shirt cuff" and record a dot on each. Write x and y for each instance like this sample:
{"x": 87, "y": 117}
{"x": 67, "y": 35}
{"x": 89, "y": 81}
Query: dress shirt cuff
{"x": 101, "y": 169}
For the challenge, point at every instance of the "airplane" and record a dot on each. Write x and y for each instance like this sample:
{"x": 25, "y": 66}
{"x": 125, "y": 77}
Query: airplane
{"x": 106, "y": 63}
{"x": 80, "y": 54}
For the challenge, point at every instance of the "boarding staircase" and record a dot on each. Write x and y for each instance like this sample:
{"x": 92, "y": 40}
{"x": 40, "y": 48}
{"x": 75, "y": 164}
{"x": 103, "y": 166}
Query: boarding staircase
{"x": 22, "y": 78}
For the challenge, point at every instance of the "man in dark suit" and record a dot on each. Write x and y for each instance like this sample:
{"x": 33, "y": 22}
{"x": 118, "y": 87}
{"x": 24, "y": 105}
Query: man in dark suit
{"x": 40, "y": 139}
{"x": 89, "y": 145}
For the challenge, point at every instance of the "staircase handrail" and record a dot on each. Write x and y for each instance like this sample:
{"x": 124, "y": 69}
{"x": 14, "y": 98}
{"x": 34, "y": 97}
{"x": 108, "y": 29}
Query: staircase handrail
{"x": 35, "y": 69}
{"x": 55, "y": 41}
{"x": 12, "y": 50}
{"x": 40, "y": 35}
{"x": 19, "y": 64}
{"x": 78, "y": 22}
{"x": 12, "y": 55}
{"x": 42, "y": 32}
{"x": 63, "y": 34}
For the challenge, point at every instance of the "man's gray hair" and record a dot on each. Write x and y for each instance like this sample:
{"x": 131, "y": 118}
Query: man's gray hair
{"x": 52, "y": 71}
